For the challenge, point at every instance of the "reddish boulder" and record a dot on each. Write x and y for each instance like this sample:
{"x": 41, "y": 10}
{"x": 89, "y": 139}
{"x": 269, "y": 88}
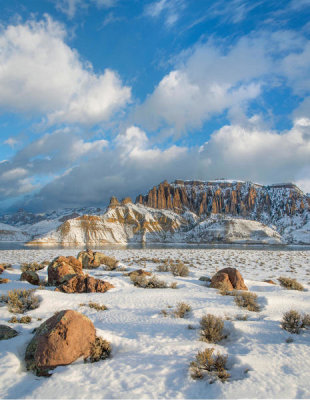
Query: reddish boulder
{"x": 90, "y": 259}
{"x": 1, "y": 269}
{"x": 60, "y": 340}
{"x": 84, "y": 284}
{"x": 31, "y": 277}
{"x": 270, "y": 281}
{"x": 61, "y": 269}
{"x": 230, "y": 278}
{"x": 140, "y": 272}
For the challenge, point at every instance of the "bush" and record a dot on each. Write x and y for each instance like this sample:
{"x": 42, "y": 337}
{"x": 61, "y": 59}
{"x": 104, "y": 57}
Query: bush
{"x": 211, "y": 328}
{"x": 179, "y": 269}
{"x": 23, "y": 320}
{"x": 173, "y": 285}
{"x": 207, "y": 363}
{"x": 163, "y": 268}
{"x": 101, "y": 349}
{"x": 247, "y": 300}
{"x": 293, "y": 321}
{"x": 182, "y": 309}
{"x": 225, "y": 290}
{"x": 20, "y": 301}
{"x": 33, "y": 266}
{"x": 147, "y": 283}
{"x": 97, "y": 306}
{"x": 290, "y": 283}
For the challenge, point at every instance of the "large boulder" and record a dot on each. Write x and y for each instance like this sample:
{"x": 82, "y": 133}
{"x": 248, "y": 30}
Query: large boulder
{"x": 60, "y": 340}
{"x": 90, "y": 259}
{"x": 84, "y": 284}
{"x": 6, "y": 332}
{"x": 31, "y": 277}
{"x": 229, "y": 279}
{"x": 61, "y": 269}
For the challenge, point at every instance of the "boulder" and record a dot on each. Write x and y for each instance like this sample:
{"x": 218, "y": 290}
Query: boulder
{"x": 229, "y": 278}
{"x": 61, "y": 269}
{"x": 90, "y": 259}
{"x": 1, "y": 269}
{"x": 60, "y": 340}
{"x": 84, "y": 284}
{"x": 4, "y": 280}
{"x": 6, "y": 332}
{"x": 270, "y": 281}
{"x": 31, "y": 277}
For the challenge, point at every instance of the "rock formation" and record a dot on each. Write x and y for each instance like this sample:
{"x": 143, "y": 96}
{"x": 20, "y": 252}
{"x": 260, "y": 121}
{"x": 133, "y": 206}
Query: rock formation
{"x": 31, "y": 277}
{"x": 228, "y": 279}
{"x": 90, "y": 259}
{"x": 84, "y": 284}
{"x": 61, "y": 269}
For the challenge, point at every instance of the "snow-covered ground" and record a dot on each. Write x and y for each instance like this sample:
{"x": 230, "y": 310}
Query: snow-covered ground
{"x": 151, "y": 353}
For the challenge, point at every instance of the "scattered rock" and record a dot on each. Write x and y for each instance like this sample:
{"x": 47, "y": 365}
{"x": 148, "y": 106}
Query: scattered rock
{"x": 60, "y": 340}
{"x": 140, "y": 272}
{"x": 6, "y": 332}
{"x": 1, "y": 269}
{"x": 230, "y": 278}
{"x": 84, "y": 284}
{"x": 31, "y": 277}
{"x": 61, "y": 269}
{"x": 270, "y": 281}
{"x": 4, "y": 280}
{"x": 90, "y": 259}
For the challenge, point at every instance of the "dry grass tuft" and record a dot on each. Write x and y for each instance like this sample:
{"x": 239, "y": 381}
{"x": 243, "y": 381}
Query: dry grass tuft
{"x": 147, "y": 283}
{"x": 209, "y": 364}
{"x": 26, "y": 319}
{"x": 247, "y": 300}
{"x": 97, "y": 306}
{"x": 100, "y": 350}
{"x": 179, "y": 269}
{"x": 19, "y": 301}
{"x": 163, "y": 268}
{"x": 294, "y": 322}
{"x": 34, "y": 266}
{"x": 182, "y": 310}
{"x": 211, "y": 328}
{"x": 290, "y": 283}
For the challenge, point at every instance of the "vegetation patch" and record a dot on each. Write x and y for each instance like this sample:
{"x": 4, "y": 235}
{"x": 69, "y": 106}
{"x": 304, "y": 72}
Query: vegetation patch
{"x": 34, "y": 266}
{"x": 246, "y": 300}
{"x": 179, "y": 269}
{"x": 147, "y": 283}
{"x": 294, "y": 322}
{"x": 101, "y": 349}
{"x": 19, "y": 301}
{"x": 210, "y": 365}
{"x": 211, "y": 329}
{"x": 26, "y": 319}
{"x": 290, "y": 283}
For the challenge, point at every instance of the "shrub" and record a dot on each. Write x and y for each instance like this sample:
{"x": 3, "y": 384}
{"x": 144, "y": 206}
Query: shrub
{"x": 147, "y": 283}
{"x": 179, "y": 269}
{"x": 33, "y": 266}
{"x": 212, "y": 365}
{"x": 182, "y": 309}
{"x": 211, "y": 328}
{"x": 224, "y": 289}
{"x": 290, "y": 283}
{"x": 97, "y": 306}
{"x": 247, "y": 300}
{"x": 23, "y": 320}
{"x": 163, "y": 268}
{"x": 20, "y": 301}
{"x": 292, "y": 321}
{"x": 101, "y": 349}
{"x": 306, "y": 321}
{"x": 173, "y": 285}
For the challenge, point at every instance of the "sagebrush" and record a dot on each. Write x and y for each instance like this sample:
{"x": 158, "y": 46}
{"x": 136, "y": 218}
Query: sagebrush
{"x": 210, "y": 365}
{"x": 211, "y": 328}
{"x": 21, "y": 300}
{"x": 290, "y": 283}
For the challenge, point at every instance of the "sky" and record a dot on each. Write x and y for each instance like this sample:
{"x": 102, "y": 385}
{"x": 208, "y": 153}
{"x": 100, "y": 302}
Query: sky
{"x": 111, "y": 97}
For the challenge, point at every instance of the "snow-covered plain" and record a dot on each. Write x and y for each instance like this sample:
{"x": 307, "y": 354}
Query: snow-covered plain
{"x": 151, "y": 353}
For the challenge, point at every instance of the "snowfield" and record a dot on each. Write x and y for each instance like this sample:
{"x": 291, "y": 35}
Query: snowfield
{"x": 151, "y": 353}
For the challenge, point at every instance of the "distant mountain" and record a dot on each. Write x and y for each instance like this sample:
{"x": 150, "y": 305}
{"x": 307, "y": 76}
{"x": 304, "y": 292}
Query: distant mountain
{"x": 180, "y": 212}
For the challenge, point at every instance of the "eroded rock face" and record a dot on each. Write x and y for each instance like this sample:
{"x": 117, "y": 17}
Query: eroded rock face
{"x": 61, "y": 269}
{"x": 82, "y": 284}
{"x": 60, "y": 340}
{"x": 6, "y": 332}
{"x": 31, "y": 277}
{"x": 90, "y": 259}
{"x": 229, "y": 278}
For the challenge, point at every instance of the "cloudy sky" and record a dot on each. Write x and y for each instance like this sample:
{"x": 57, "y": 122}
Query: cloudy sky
{"x": 102, "y": 97}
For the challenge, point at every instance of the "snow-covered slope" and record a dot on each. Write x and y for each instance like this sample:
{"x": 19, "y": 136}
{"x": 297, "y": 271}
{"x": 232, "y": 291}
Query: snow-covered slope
{"x": 12, "y": 234}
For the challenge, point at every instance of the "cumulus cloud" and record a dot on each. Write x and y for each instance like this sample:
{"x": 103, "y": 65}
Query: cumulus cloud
{"x": 41, "y": 74}
{"x": 70, "y": 7}
{"x": 211, "y": 79}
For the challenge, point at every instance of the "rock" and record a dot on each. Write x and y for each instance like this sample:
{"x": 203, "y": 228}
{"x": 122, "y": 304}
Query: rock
{"x": 270, "y": 281}
{"x": 1, "y": 269}
{"x": 90, "y": 259}
{"x": 31, "y": 277}
{"x": 6, "y": 332}
{"x": 205, "y": 279}
{"x": 126, "y": 200}
{"x": 140, "y": 272}
{"x": 230, "y": 278}
{"x": 113, "y": 202}
{"x": 61, "y": 269}
{"x": 82, "y": 284}
{"x": 4, "y": 280}
{"x": 60, "y": 340}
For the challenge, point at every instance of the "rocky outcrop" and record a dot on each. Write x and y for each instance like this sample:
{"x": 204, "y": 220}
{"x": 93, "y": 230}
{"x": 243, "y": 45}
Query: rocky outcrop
{"x": 228, "y": 279}
{"x": 61, "y": 269}
{"x": 90, "y": 259}
{"x": 223, "y": 197}
{"x": 7, "y": 332}
{"x": 60, "y": 340}
{"x": 31, "y": 277}
{"x": 113, "y": 202}
{"x": 84, "y": 284}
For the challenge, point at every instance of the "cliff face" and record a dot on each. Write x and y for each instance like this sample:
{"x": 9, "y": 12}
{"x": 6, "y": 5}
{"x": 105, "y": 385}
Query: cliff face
{"x": 241, "y": 199}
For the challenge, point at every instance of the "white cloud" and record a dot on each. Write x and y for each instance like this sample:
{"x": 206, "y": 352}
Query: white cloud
{"x": 11, "y": 142}
{"x": 70, "y": 7}
{"x": 169, "y": 9}
{"x": 41, "y": 74}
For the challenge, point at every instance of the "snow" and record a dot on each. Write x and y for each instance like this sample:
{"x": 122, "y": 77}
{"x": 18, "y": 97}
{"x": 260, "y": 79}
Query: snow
{"x": 151, "y": 353}
{"x": 9, "y": 233}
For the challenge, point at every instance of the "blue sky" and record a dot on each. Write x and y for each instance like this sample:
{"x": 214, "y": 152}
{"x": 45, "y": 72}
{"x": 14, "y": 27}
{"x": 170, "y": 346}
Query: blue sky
{"x": 102, "y": 97}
